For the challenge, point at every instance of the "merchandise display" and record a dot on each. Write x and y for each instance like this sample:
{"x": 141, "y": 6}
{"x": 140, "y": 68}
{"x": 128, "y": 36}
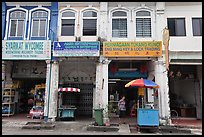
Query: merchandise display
{"x": 8, "y": 104}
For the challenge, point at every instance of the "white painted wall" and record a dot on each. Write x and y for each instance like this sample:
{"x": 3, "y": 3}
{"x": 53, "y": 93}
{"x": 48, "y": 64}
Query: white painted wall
{"x": 131, "y": 8}
{"x": 77, "y": 68}
{"x": 184, "y": 9}
{"x": 77, "y": 8}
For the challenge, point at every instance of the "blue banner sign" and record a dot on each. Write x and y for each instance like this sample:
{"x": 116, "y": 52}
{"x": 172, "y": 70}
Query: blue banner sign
{"x": 26, "y": 49}
{"x": 64, "y": 49}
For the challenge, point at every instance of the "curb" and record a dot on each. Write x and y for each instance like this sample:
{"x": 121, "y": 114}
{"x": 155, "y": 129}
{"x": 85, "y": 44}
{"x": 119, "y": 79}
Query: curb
{"x": 173, "y": 129}
{"x": 184, "y": 126}
{"x": 102, "y": 128}
{"x": 38, "y": 125}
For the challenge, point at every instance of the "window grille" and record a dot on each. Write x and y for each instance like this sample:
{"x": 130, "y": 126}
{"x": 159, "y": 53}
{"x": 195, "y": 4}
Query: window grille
{"x": 119, "y": 24}
{"x": 143, "y": 24}
{"x": 89, "y": 23}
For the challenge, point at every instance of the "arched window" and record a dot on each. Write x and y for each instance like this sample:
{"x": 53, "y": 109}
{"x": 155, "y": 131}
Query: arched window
{"x": 39, "y": 23}
{"x": 68, "y": 23}
{"x": 17, "y": 23}
{"x": 89, "y": 23}
{"x": 119, "y": 24}
{"x": 143, "y": 24}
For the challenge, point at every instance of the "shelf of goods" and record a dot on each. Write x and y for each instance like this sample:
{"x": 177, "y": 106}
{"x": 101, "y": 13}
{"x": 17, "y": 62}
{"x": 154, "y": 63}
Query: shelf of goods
{"x": 113, "y": 108}
{"x": 39, "y": 97}
{"x": 8, "y": 104}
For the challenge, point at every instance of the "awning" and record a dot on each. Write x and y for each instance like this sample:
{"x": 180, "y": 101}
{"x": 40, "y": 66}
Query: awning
{"x": 69, "y": 89}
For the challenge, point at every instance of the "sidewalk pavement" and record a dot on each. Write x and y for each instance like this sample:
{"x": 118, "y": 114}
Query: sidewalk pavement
{"x": 79, "y": 127}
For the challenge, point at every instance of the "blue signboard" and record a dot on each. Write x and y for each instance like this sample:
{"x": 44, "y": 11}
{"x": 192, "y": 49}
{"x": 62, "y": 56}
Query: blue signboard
{"x": 64, "y": 49}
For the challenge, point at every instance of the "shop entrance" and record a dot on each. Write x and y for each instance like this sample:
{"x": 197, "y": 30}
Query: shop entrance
{"x": 28, "y": 78}
{"x": 117, "y": 90}
{"x": 28, "y": 94}
{"x": 78, "y": 73}
{"x": 82, "y": 100}
{"x": 185, "y": 97}
{"x": 120, "y": 73}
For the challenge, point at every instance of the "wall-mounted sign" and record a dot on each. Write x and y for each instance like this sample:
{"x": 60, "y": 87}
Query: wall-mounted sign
{"x": 65, "y": 49}
{"x": 26, "y": 49}
{"x": 133, "y": 49}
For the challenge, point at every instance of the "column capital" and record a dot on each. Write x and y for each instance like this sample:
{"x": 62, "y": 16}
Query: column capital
{"x": 55, "y": 61}
{"x": 159, "y": 62}
{"x": 104, "y": 60}
{"x": 3, "y": 62}
{"x": 48, "y": 61}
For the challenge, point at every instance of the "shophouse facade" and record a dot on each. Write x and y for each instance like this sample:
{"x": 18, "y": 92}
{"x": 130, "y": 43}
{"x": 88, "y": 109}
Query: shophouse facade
{"x": 185, "y": 53}
{"x": 108, "y": 22}
{"x": 28, "y": 30}
{"x": 77, "y": 50}
{"x": 100, "y": 46}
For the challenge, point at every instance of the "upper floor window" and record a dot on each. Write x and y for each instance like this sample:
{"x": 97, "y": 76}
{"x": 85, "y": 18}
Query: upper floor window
{"x": 197, "y": 26}
{"x": 119, "y": 24}
{"x": 17, "y": 24}
{"x": 143, "y": 24}
{"x": 89, "y": 23}
{"x": 176, "y": 26}
{"x": 68, "y": 23}
{"x": 39, "y": 23}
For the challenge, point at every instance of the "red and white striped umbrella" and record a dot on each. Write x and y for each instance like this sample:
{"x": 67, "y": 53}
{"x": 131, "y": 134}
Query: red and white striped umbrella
{"x": 69, "y": 89}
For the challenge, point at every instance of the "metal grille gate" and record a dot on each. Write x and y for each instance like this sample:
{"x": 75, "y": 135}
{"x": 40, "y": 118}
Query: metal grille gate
{"x": 83, "y": 100}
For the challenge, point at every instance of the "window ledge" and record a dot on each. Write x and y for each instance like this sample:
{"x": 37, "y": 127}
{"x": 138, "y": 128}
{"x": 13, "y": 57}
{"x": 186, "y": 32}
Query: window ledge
{"x": 119, "y": 39}
{"x": 89, "y": 38}
{"x": 66, "y": 38}
{"x": 144, "y": 39}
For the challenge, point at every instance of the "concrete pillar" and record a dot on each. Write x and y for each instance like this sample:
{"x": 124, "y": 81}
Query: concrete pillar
{"x": 101, "y": 94}
{"x": 163, "y": 92}
{"x": 47, "y": 90}
{"x": 103, "y": 20}
{"x": 160, "y": 21}
{"x": 53, "y": 91}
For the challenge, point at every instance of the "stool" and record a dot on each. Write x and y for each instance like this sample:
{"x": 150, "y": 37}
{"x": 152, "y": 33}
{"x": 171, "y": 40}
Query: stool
{"x": 132, "y": 112}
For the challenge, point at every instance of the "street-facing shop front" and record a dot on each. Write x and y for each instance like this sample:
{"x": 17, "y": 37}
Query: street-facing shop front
{"x": 77, "y": 70}
{"x": 24, "y": 73}
{"x": 129, "y": 61}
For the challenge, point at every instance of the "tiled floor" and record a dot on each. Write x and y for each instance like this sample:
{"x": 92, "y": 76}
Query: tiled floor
{"x": 20, "y": 117}
{"x": 179, "y": 122}
{"x": 187, "y": 122}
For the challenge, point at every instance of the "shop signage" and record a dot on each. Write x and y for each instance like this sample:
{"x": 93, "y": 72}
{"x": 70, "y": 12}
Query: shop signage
{"x": 133, "y": 49}
{"x": 26, "y": 49}
{"x": 76, "y": 49}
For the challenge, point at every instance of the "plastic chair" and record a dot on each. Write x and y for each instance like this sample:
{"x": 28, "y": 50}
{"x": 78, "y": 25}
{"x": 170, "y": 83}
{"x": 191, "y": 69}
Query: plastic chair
{"x": 132, "y": 112}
